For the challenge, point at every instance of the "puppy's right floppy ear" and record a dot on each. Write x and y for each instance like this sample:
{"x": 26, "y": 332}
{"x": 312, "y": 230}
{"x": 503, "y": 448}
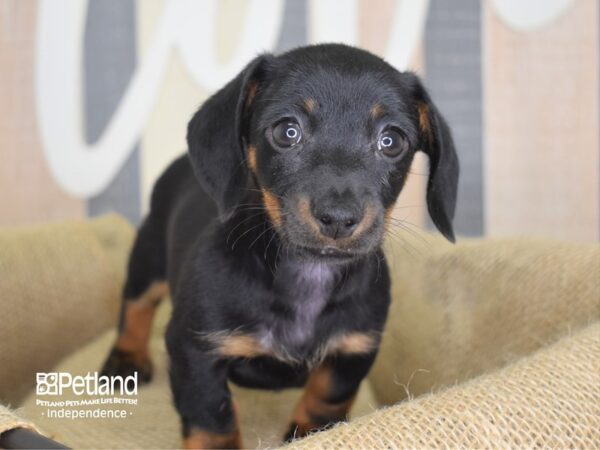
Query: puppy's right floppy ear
{"x": 215, "y": 137}
{"x": 436, "y": 140}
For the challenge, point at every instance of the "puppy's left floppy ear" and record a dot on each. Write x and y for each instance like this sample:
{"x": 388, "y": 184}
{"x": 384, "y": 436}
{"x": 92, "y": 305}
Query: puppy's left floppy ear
{"x": 215, "y": 137}
{"x": 436, "y": 141}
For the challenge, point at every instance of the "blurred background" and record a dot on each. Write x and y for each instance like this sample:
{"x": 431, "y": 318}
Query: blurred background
{"x": 95, "y": 97}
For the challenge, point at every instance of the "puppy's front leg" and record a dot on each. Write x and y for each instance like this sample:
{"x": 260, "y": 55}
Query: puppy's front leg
{"x": 329, "y": 393}
{"x": 202, "y": 398}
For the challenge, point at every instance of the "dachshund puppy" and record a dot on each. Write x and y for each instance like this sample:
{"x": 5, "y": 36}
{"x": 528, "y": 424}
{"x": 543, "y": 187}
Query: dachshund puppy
{"x": 268, "y": 235}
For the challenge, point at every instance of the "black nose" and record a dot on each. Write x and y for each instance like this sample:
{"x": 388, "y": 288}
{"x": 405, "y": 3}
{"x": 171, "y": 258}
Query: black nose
{"x": 338, "y": 221}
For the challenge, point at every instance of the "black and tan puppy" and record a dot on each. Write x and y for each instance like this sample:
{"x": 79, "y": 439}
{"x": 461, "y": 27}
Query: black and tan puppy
{"x": 268, "y": 234}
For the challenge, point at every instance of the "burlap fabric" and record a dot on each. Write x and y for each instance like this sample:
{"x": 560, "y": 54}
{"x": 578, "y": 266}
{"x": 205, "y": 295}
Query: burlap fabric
{"x": 153, "y": 422}
{"x": 10, "y": 420}
{"x": 458, "y": 311}
{"x": 548, "y": 400}
{"x": 59, "y": 287}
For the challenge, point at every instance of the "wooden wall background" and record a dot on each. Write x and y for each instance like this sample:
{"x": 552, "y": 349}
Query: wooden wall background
{"x": 520, "y": 89}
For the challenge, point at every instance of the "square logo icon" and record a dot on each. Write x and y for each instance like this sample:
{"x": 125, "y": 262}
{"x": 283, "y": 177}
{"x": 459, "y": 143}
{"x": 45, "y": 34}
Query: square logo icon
{"x": 47, "y": 383}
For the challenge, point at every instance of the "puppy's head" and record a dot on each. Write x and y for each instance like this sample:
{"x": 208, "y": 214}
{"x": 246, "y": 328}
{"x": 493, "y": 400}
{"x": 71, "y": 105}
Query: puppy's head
{"x": 327, "y": 134}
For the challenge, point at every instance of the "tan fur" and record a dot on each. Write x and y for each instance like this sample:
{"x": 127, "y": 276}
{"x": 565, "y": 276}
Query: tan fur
{"x": 309, "y": 105}
{"x": 236, "y": 344}
{"x": 241, "y": 346}
{"x": 201, "y": 439}
{"x": 313, "y": 402}
{"x": 424, "y": 123}
{"x": 377, "y": 111}
{"x": 252, "y": 88}
{"x": 138, "y": 317}
{"x": 305, "y": 214}
{"x": 353, "y": 343}
{"x": 252, "y": 158}
{"x": 272, "y": 206}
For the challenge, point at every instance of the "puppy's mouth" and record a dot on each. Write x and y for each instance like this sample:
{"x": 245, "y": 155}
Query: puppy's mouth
{"x": 333, "y": 251}
{"x": 328, "y": 253}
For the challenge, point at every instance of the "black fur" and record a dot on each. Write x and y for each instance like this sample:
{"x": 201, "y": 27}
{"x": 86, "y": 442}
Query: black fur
{"x": 233, "y": 268}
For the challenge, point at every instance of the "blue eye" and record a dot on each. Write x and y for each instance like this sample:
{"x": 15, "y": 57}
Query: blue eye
{"x": 287, "y": 133}
{"x": 391, "y": 143}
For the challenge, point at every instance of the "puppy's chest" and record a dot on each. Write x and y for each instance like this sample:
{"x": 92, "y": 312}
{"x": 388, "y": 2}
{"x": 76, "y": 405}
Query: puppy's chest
{"x": 297, "y": 327}
{"x": 301, "y": 292}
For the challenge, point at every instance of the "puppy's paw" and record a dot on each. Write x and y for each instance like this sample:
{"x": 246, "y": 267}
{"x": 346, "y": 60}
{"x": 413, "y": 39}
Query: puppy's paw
{"x": 125, "y": 364}
{"x": 296, "y": 431}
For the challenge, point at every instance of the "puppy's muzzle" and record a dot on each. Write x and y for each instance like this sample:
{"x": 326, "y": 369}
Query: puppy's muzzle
{"x": 334, "y": 221}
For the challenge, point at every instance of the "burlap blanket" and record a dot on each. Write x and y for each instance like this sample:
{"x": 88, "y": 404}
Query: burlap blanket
{"x": 550, "y": 399}
{"x": 459, "y": 311}
{"x": 60, "y": 285}
{"x": 521, "y": 312}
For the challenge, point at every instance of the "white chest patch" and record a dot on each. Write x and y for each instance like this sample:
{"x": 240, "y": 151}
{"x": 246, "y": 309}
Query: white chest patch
{"x": 306, "y": 289}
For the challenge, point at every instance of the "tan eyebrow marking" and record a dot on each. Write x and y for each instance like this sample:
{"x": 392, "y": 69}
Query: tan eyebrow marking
{"x": 377, "y": 111}
{"x": 309, "y": 105}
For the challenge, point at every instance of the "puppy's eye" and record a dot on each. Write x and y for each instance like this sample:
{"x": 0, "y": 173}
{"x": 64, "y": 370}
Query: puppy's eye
{"x": 287, "y": 133}
{"x": 392, "y": 143}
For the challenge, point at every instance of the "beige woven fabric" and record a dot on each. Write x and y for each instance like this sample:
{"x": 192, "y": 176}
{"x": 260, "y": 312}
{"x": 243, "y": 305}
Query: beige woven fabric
{"x": 153, "y": 423}
{"x": 458, "y": 311}
{"x": 548, "y": 400}
{"x": 60, "y": 286}
{"x": 10, "y": 420}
